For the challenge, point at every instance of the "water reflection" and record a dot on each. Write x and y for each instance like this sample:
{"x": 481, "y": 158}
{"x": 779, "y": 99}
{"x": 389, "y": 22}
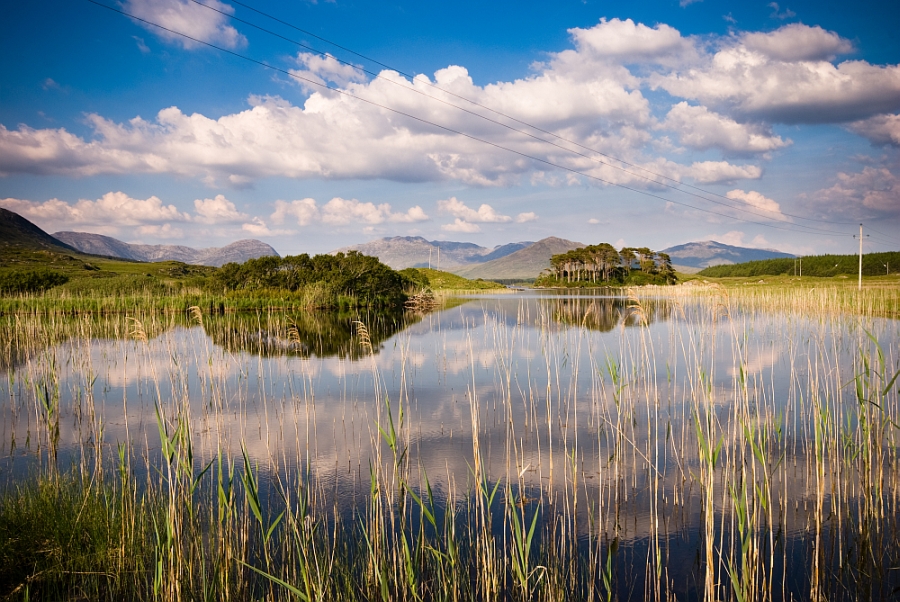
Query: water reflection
{"x": 588, "y": 405}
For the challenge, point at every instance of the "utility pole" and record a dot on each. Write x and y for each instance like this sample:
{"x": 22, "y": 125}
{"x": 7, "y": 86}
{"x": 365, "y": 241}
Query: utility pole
{"x": 860, "y": 255}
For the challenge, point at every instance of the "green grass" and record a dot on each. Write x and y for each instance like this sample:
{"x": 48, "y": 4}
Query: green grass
{"x": 445, "y": 281}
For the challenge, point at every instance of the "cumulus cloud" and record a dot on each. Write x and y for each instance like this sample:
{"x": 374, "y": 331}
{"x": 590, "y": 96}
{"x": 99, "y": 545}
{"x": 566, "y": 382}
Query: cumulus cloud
{"x": 161, "y": 231}
{"x": 522, "y": 218}
{"x": 734, "y": 88}
{"x": 459, "y": 225}
{"x": 484, "y": 214}
{"x": 736, "y": 238}
{"x": 341, "y": 212}
{"x": 881, "y": 129}
{"x": 758, "y": 203}
{"x": 628, "y": 42}
{"x": 798, "y": 42}
{"x": 324, "y": 69}
{"x": 699, "y": 128}
{"x": 118, "y": 214}
{"x": 769, "y": 77}
{"x": 188, "y": 18}
{"x": 218, "y": 210}
{"x": 111, "y": 211}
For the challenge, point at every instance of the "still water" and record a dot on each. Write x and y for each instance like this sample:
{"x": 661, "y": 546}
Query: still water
{"x": 592, "y": 405}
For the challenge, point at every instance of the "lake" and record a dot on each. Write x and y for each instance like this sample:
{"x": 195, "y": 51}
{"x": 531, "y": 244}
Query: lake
{"x": 685, "y": 448}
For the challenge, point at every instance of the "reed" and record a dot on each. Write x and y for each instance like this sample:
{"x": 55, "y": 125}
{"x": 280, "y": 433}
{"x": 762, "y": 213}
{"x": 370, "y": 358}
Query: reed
{"x": 603, "y": 442}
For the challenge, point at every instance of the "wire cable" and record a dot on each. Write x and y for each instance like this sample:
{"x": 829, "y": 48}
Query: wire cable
{"x": 677, "y": 184}
{"x": 412, "y": 88}
{"x": 806, "y": 229}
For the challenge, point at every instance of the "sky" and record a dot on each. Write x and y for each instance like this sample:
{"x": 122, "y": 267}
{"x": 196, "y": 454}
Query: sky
{"x": 317, "y": 125}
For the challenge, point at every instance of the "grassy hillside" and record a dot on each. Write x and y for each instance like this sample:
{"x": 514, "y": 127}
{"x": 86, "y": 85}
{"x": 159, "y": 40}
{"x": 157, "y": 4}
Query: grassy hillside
{"x": 16, "y": 232}
{"x": 874, "y": 264}
{"x": 445, "y": 281}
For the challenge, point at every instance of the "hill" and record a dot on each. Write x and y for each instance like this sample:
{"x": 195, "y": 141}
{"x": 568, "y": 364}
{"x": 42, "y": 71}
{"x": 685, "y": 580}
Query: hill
{"x": 19, "y": 233}
{"x": 97, "y": 244}
{"x": 874, "y": 264}
{"x": 524, "y": 264}
{"x": 401, "y": 252}
{"x": 708, "y": 253}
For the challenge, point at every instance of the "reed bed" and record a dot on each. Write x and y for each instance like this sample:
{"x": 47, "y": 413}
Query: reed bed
{"x": 879, "y": 299}
{"x": 589, "y": 449}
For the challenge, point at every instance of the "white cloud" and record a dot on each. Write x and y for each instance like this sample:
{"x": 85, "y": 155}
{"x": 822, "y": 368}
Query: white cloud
{"x": 758, "y": 203}
{"x": 593, "y": 220}
{"x": 304, "y": 211}
{"x": 218, "y": 210}
{"x": 111, "y": 211}
{"x": 257, "y": 227}
{"x": 737, "y": 85}
{"x": 188, "y": 18}
{"x": 736, "y": 238}
{"x": 767, "y": 76}
{"x": 700, "y": 128}
{"x": 484, "y": 214}
{"x": 325, "y": 69}
{"x": 341, "y": 212}
{"x": 522, "y": 218}
{"x": 709, "y": 172}
{"x": 161, "y": 231}
{"x": 459, "y": 225}
{"x": 798, "y": 42}
{"x": 627, "y": 41}
{"x": 880, "y": 130}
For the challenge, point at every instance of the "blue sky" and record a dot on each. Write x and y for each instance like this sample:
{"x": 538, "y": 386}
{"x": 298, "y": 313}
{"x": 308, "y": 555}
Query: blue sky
{"x": 758, "y": 124}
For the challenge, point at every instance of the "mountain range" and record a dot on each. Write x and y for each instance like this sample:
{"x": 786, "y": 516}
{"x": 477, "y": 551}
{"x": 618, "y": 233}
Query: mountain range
{"x": 401, "y": 252}
{"x": 512, "y": 261}
{"x": 97, "y": 244}
{"x": 706, "y": 253}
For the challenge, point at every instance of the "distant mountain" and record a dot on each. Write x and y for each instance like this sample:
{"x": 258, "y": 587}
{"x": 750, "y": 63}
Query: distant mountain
{"x": 97, "y": 244}
{"x": 709, "y": 253}
{"x": 414, "y": 251}
{"x": 526, "y": 263}
{"x": 18, "y": 232}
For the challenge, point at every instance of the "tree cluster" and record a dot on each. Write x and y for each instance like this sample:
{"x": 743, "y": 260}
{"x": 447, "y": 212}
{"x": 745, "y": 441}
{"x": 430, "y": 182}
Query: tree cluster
{"x": 350, "y": 274}
{"x": 602, "y": 264}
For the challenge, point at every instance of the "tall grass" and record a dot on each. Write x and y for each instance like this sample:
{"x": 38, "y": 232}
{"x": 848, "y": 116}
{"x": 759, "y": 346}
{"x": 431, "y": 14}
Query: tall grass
{"x": 667, "y": 465}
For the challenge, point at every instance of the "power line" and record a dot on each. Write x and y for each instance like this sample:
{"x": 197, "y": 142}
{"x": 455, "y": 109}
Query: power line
{"x": 677, "y": 184}
{"x": 412, "y": 88}
{"x": 887, "y": 236}
{"x": 807, "y": 229}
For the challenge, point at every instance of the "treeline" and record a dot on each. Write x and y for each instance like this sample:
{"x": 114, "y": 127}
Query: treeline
{"x": 823, "y": 266}
{"x": 602, "y": 264}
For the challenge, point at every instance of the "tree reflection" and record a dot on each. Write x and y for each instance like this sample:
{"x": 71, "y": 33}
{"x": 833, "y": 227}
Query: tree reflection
{"x": 606, "y": 313}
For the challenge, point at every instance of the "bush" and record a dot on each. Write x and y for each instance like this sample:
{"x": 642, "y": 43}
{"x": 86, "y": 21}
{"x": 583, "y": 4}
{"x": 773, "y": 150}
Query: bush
{"x": 29, "y": 281}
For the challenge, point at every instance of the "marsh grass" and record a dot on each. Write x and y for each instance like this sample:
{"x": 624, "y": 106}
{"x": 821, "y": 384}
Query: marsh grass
{"x": 593, "y": 475}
